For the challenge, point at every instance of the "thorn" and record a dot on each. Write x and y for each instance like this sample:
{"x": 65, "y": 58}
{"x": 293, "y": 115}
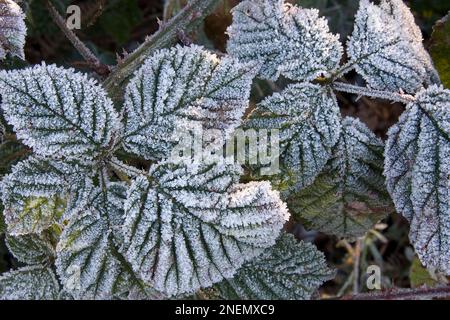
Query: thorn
{"x": 358, "y": 97}
{"x": 182, "y": 36}
{"x": 161, "y": 23}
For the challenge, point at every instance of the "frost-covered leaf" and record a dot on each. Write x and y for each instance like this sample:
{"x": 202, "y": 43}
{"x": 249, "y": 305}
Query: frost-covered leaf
{"x": 284, "y": 39}
{"x": 12, "y": 29}
{"x": 177, "y": 87}
{"x": 189, "y": 226}
{"x": 57, "y": 111}
{"x": 308, "y": 120}
{"x": 35, "y": 193}
{"x": 29, "y": 283}
{"x": 88, "y": 262}
{"x": 386, "y": 47}
{"x": 417, "y": 168}
{"x": 349, "y": 196}
{"x": 31, "y": 248}
{"x": 288, "y": 270}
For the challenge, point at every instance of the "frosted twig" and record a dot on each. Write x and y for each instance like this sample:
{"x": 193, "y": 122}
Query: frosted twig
{"x": 404, "y": 294}
{"x": 186, "y": 20}
{"x": 84, "y": 51}
{"x": 364, "y": 91}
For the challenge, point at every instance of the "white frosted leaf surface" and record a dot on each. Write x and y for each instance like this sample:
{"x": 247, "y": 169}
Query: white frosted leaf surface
{"x": 417, "y": 168}
{"x": 34, "y": 193}
{"x": 308, "y": 119}
{"x": 386, "y": 47}
{"x": 290, "y": 270}
{"x": 180, "y": 87}
{"x": 349, "y": 196}
{"x": 88, "y": 262}
{"x": 189, "y": 226}
{"x": 29, "y": 283}
{"x": 57, "y": 111}
{"x": 31, "y": 248}
{"x": 283, "y": 39}
{"x": 12, "y": 29}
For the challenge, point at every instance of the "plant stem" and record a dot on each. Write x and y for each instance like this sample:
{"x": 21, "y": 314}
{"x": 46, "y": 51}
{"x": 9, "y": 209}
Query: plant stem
{"x": 356, "y": 267}
{"x": 364, "y": 91}
{"x": 403, "y": 294}
{"x": 84, "y": 51}
{"x": 186, "y": 20}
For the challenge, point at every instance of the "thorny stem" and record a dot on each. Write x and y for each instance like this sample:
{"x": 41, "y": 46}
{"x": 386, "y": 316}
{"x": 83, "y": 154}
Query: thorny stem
{"x": 84, "y": 51}
{"x": 403, "y": 294}
{"x": 364, "y": 91}
{"x": 186, "y": 20}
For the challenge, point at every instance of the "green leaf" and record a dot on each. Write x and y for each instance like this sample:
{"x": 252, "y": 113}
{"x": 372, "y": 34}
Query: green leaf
{"x": 417, "y": 170}
{"x": 288, "y": 270}
{"x": 440, "y": 49}
{"x": 419, "y": 276}
{"x": 283, "y": 39}
{"x": 31, "y": 248}
{"x": 189, "y": 226}
{"x": 29, "y": 283}
{"x": 308, "y": 119}
{"x": 179, "y": 88}
{"x": 386, "y": 48}
{"x": 58, "y": 112}
{"x": 35, "y": 193}
{"x": 349, "y": 196}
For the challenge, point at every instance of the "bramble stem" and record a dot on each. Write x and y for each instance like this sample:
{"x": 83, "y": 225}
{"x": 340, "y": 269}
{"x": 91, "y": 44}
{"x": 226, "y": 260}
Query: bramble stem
{"x": 403, "y": 294}
{"x": 186, "y": 20}
{"x": 84, "y": 51}
{"x": 364, "y": 91}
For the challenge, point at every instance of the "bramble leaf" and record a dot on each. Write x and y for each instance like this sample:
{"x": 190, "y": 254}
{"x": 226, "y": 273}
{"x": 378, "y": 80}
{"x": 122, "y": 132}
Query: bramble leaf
{"x": 29, "y": 283}
{"x": 349, "y": 196}
{"x": 189, "y": 226}
{"x": 58, "y": 112}
{"x": 283, "y": 39}
{"x": 177, "y": 87}
{"x": 417, "y": 168}
{"x": 35, "y": 193}
{"x": 288, "y": 270}
{"x": 12, "y": 29}
{"x": 31, "y": 248}
{"x": 308, "y": 119}
{"x": 386, "y": 48}
{"x": 88, "y": 261}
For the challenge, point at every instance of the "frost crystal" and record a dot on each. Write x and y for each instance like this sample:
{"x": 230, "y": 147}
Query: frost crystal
{"x": 29, "y": 283}
{"x": 288, "y": 270}
{"x": 34, "y": 193}
{"x": 188, "y": 227}
{"x": 57, "y": 111}
{"x": 31, "y": 248}
{"x": 417, "y": 168}
{"x": 308, "y": 118}
{"x": 177, "y": 87}
{"x": 349, "y": 196}
{"x": 12, "y": 29}
{"x": 284, "y": 39}
{"x": 386, "y": 46}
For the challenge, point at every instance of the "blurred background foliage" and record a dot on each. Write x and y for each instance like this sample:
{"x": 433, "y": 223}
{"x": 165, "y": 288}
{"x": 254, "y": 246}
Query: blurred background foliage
{"x": 111, "y": 28}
